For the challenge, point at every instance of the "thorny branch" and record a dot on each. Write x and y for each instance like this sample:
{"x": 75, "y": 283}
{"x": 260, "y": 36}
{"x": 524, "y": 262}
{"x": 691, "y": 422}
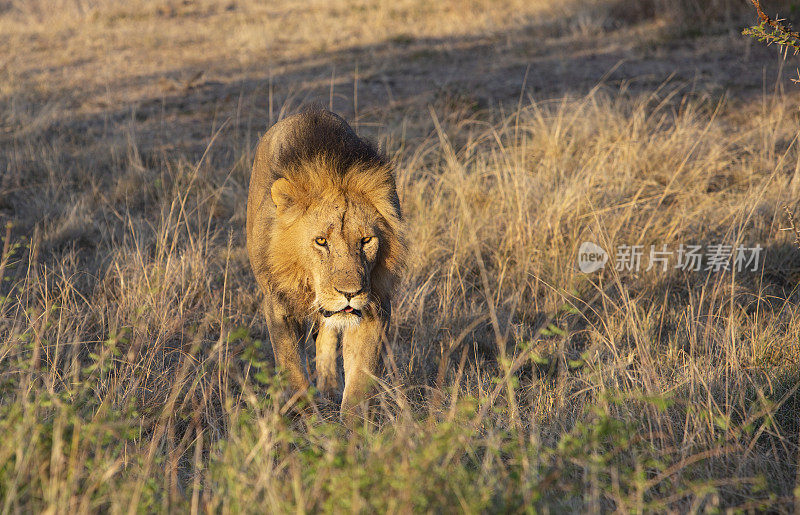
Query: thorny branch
{"x": 781, "y": 35}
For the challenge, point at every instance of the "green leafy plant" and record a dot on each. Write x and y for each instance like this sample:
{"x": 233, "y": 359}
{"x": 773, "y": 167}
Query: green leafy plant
{"x": 773, "y": 31}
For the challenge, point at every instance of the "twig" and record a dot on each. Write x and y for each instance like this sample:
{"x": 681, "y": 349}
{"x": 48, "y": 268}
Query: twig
{"x": 792, "y": 225}
{"x": 781, "y": 36}
{"x": 773, "y": 23}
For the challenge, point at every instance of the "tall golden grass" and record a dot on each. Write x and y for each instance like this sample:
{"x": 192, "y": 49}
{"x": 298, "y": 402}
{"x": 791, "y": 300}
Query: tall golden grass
{"x": 512, "y": 379}
{"x": 135, "y": 370}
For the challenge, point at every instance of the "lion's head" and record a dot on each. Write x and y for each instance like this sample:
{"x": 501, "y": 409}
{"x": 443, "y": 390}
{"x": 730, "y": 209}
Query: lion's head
{"x": 340, "y": 238}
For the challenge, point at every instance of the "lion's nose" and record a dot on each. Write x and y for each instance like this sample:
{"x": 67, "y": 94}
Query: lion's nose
{"x": 349, "y": 294}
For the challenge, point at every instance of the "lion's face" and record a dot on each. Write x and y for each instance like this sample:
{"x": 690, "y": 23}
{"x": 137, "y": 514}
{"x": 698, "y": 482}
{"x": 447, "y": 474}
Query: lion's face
{"x": 336, "y": 246}
{"x": 335, "y": 239}
{"x": 340, "y": 241}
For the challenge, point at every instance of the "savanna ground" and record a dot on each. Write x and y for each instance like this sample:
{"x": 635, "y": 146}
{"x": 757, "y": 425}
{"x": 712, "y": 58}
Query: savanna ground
{"x": 135, "y": 369}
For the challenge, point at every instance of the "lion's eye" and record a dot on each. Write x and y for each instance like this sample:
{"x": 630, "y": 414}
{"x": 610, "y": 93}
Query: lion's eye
{"x": 321, "y": 241}
{"x": 366, "y": 239}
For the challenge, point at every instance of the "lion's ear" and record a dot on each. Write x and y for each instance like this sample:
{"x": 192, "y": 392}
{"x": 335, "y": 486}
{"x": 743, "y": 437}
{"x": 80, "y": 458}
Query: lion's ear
{"x": 281, "y": 194}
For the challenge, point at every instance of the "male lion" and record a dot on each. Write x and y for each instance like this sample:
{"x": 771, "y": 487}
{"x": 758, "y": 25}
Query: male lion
{"x": 325, "y": 240}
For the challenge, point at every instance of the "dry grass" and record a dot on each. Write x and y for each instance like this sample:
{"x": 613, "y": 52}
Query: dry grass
{"x": 135, "y": 371}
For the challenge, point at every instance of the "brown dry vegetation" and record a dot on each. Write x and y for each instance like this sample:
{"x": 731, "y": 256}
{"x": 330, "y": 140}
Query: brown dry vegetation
{"x": 135, "y": 370}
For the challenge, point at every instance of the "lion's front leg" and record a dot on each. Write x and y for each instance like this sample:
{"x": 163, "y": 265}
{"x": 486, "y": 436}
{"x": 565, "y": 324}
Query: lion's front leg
{"x": 361, "y": 350}
{"x": 327, "y": 378}
{"x": 286, "y": 334}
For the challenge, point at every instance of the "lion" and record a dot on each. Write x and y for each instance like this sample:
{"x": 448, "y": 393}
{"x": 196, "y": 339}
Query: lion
{"x": 325, "y": 237}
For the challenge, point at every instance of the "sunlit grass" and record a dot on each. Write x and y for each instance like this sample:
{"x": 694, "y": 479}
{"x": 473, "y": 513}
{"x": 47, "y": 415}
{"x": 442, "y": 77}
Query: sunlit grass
{"x": 512, "y": 379}
{"x": 135, "y": 368}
